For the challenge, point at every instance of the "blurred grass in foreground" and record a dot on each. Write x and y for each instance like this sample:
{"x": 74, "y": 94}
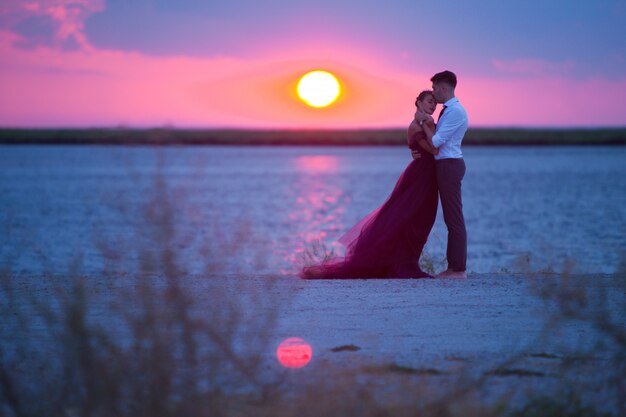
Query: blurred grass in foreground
{"x": 394, "y": 137}
{"x": 152, "y": 343}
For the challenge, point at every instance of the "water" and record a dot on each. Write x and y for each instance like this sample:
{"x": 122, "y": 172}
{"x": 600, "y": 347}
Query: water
{"x": 256, "y": 209}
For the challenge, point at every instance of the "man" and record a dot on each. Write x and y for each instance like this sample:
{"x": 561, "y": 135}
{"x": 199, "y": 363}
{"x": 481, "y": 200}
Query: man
{"x": 447, "y": 137}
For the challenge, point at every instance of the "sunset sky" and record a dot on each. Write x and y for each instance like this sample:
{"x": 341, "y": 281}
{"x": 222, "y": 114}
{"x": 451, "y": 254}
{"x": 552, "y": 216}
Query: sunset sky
{"x": 236, "y": 64}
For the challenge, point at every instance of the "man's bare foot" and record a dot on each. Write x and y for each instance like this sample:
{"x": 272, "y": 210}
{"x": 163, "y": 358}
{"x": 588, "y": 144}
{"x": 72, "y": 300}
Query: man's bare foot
{"x": 449, "y": 273}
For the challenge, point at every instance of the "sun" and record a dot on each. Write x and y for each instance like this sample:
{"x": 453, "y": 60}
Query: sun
{"x": 318, "y": 88}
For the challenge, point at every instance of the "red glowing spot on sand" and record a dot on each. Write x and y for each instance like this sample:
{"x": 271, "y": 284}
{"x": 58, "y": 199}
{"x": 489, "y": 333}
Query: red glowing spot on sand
{"x": 294, "y": 353}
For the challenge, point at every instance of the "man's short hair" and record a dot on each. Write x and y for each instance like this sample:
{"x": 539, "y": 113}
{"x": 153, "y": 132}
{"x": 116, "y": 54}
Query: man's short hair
{"x": 447, "y": 77}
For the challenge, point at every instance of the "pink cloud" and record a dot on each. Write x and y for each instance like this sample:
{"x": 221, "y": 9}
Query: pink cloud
{"x": 68, "y": 16}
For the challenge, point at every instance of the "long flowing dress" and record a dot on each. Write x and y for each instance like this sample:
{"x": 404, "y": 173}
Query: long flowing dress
{"x": 388, "y": 242}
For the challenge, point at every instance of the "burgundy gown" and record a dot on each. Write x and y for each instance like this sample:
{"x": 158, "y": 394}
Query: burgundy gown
{"x": 388, "y": 242}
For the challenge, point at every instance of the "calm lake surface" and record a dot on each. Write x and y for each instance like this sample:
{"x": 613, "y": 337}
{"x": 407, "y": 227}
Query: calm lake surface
{"x": 259, "y": 209}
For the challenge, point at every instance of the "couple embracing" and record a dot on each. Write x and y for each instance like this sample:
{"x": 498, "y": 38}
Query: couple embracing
{"x": 388, "y": 242}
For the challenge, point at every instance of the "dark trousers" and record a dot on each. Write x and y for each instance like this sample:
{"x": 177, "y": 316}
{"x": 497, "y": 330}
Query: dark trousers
{"x": 450, "y": 172}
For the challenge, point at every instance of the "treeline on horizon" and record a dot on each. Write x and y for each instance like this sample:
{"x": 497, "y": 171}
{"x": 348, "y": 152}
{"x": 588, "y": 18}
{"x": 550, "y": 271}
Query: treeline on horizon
{"x": 174, "y": 136}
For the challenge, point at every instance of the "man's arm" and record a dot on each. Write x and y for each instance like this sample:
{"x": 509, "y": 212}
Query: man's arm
{"x": 453, "y": 121}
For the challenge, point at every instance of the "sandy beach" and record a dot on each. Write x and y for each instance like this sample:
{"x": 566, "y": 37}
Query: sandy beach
{"x": 495, "y": 330}
{"x": 485, "y": 341}
{"x": 407, "y": 321}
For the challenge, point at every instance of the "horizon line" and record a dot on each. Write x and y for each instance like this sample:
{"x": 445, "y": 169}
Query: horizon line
{"x": 302, "y": 129}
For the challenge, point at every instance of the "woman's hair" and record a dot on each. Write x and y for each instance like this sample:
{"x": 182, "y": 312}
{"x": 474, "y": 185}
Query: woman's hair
{"x": 422, "y": 96}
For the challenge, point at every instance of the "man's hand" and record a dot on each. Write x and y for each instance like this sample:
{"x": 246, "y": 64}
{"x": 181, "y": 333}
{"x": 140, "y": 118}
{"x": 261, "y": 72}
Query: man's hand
{"x": 421, "y": 117}
{"x": 416, "y": 154}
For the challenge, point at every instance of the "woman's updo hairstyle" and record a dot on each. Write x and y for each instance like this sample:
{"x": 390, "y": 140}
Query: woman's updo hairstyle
{"x": 423, "y": 95}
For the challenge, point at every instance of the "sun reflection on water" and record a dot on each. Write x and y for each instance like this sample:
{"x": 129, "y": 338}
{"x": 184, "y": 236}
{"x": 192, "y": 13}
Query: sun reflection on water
{"x": 319, "y": 204}
{"x": 317, "y": 163}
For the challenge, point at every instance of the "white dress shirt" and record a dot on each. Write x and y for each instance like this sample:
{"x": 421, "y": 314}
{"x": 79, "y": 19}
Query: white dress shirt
{"x": 451, "y": 128}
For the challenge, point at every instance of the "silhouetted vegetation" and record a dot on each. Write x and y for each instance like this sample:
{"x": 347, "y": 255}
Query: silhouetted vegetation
{"x": 390, "y": 137}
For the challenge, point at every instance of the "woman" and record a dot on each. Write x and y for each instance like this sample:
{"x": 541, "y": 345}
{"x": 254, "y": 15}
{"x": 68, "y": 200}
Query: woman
{"x": 389, "y": 241}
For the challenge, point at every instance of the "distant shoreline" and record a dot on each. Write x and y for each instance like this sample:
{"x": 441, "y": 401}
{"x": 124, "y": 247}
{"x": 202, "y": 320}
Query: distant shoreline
{"x": 357, "y": 137}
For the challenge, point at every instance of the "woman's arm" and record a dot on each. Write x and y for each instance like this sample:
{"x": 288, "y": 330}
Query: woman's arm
{"x": 428, "y": 127}
{"x": 411, "y": 134}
